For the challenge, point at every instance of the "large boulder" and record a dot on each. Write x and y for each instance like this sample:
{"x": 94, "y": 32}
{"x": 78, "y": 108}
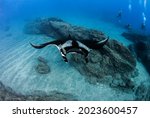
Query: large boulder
{"x": 113, "y": 63}
{"x": 57, "y": 28}
{"x": 113, "y": 60}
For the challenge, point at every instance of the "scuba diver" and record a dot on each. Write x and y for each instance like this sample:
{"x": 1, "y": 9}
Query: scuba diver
{"x": 119, "y": 15}
{"x": 128, "y": 27}
{"x": 143, "y": 26}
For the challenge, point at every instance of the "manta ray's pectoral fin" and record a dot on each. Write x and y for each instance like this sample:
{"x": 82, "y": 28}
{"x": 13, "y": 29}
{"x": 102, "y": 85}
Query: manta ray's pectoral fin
{"x": 57, "y": 42}
{"x": 38, "y": 46}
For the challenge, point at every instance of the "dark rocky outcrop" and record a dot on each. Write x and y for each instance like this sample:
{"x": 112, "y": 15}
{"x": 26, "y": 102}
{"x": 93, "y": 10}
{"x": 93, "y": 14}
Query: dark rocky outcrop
{"x": 141, "y": 50}
{"x": 42, "y": 66}
{"x": 57, "y": 28}
{"x": 140, "y": 47}
{"x": 112, "y": 61}
{"x": 7, "y": 94}
{"x": 135, "y": 37}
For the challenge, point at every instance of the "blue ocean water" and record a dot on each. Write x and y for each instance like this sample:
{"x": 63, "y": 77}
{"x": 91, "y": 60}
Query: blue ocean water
{"x": 134, "y": 12}
{"x": 17, "y": 57}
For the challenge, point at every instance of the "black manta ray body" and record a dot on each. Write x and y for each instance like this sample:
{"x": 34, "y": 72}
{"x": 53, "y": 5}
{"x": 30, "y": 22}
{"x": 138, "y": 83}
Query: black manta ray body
{"x": 69, "y": 45}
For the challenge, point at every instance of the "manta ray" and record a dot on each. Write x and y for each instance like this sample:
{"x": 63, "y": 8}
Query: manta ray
{"x": 69, "y": 45}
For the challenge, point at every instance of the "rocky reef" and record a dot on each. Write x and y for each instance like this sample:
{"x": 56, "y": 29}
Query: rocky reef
{"x": 113, "y": 64}
{"x": 140, "y": 47}
{"x": 141, "y": 50}
{"x": 57, "y": 28}
{"x": 7, "y": 94}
